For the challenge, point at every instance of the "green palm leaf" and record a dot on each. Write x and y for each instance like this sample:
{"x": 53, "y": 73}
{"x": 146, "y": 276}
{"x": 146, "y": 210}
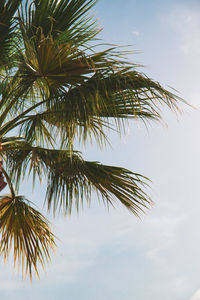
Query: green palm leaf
{"x": 8, "y": 9}
{"x": 56, "y": 87}
{"x": 66, "y": 20}
{"x": 71, "y": 180}
{"x": 91, "y": 107}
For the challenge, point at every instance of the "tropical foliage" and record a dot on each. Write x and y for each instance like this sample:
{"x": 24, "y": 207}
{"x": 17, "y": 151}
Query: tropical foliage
{"x": 57, "y": 88}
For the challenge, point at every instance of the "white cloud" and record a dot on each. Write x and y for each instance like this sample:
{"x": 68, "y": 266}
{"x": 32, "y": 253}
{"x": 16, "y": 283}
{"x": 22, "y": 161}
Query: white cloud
{"x": 136, "y": 33}
{"x": 196, "y": 295}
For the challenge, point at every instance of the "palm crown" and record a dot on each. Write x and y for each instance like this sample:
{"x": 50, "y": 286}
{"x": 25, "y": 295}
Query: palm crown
{"x": 56, "y": 87}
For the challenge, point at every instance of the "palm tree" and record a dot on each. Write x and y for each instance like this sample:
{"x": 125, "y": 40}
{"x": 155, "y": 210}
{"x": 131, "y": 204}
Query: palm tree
{"x": 56, "y": 88}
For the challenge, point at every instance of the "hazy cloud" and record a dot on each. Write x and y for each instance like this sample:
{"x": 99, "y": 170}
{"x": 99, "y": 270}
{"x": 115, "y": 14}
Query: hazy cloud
{"x": 196, "y": 295}
{"x": 136, "y": 33}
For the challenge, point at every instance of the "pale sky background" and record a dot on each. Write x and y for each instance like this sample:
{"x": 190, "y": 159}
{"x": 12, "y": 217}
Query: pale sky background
{"x": 112, "y": 255}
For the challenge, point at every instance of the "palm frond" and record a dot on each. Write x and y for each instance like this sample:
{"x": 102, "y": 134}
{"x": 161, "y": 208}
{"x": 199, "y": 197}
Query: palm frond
{"x": 71, "y": 180}
{"x": 56, "y": 87}
{"x": 118, "y": 96}
{"x": 71, "y": 183}
{"x": 8, "y": 9}
{"x": 35, "y": 130}
{"x": 53, "y": 66}
{"x": 121, "y": 94}
{"x": 67, "y": 20}
{"x": 26, "y": 233}
{"x": 87, "y": 109}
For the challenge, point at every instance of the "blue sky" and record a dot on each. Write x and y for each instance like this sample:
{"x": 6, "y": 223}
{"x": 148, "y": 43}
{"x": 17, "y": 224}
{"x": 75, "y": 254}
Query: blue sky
{"x": 111, "y": 255}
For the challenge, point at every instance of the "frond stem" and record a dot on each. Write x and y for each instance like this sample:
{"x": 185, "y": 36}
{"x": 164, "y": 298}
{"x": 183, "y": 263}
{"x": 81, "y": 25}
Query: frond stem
{"x": 9, "y": 182}
{"x": 12, "y": 124}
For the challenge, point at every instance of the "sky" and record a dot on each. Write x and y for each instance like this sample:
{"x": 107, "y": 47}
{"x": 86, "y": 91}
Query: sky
{"x": 112, "y": 255}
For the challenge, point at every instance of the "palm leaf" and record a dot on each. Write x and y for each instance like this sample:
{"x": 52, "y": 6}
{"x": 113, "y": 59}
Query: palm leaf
{"x": 53, "y": 66}
{"x": 66, "y": 20}
{"x": 71, "y": 180}
{"x": 119, "y": 96}
{"x": 25, "y": 232}
{"x": 8, "y": 9}
{"x": 55, "y": 87}
{"x": 71, "y": 183}
{"x": 88, "y": 109}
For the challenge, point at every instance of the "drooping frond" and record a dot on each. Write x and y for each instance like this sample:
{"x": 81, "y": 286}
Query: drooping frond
{"x": 25, "y": 233}
{"x": 45, "y": 128}
{"x": 71, "y": 183}
{"x": 91, "y": 107}
{"x": 71, "y": 180}
{"x": 122, "y": 94}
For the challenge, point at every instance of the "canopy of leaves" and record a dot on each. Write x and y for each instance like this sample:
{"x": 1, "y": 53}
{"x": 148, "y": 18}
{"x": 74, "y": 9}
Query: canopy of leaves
{"x": 59, "y": 85}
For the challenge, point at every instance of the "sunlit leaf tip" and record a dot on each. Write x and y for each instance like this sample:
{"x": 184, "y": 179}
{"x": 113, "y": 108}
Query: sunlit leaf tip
{"x": 25, "y": 233}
